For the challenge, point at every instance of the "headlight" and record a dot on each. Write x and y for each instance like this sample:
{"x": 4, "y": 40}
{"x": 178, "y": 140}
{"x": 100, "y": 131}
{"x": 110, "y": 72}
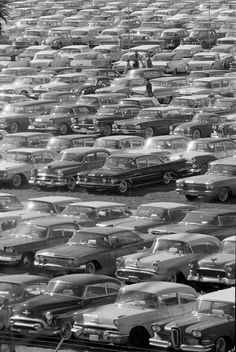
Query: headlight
{"x": 104, "y": 180}
{"x": 120, "y": 262}
{"x": 4, "y": 174}
{"x": 60, "y": 174}
{"x": 196, "y": 333}
{"x": 138, "y": 127}
{"x": 188, "y": 129}
{"x": 9, "y": 250}
{"x": 155, "y": 266}
{"x": 73, "y": 120}
{"x": 113, "y": 180}
{"x": 116, "y": 322}
{"x": 156, "y": 328}
{"x": 49, "y": 317}
{"x": 229, "y": 269}
{"x": 180, "y": 183}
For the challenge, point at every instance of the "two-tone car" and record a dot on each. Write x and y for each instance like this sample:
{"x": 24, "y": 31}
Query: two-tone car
{"x": 20, "y": 245}
{"x": 19, "y": 163}
{"x": 219, "y": 181}
{"x": 52, "y": 313}
{"x": 209, "y": 327}
{"x": 167, "y": 260}
{"x": 129, "y": 319}
{"x": 63, "y": 171}
{"x": 123, "y": 172}
{"x": 92, "y": 250}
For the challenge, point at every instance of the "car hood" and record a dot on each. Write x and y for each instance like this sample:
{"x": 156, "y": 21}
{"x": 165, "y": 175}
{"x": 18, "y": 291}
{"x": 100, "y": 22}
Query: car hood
{"x": 104, "y": 315}
{"x": 196, "y": 322}
{"x": 207, "y": 179}
{"x": 134, "y": 223}
{"x": 189, "y": 155}
{"x": 146, "y": 260}
{"x": 16, "y": 239}
{"x": 72, "y": 251}
{"x": 181, "y": 227}
{"x": 107, "y": 172}
{"x": 47, "y": 302}
{"x": 6, "y": 165}
{"x": 58, "y": 165}
{"x": 217, "y": 261}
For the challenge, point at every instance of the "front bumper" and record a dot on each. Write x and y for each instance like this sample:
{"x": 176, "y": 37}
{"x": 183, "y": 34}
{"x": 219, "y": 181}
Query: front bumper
{"x": 47, "y": 183}
{"x": 197, "y": 348}
{"x": 210, "y": 279}
{"x": 193, "y": 192}
{"x": 97, "y": 185}
{"x": 157, "y": 342}
{"x": 132, "y": 276}
{"x": 38, "y": 128}
{"x": 32, "y": 326}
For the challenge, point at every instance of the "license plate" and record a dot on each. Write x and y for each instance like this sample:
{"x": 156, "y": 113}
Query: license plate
{"x": 93, "y": 337}
{"x": 133, "y": 279}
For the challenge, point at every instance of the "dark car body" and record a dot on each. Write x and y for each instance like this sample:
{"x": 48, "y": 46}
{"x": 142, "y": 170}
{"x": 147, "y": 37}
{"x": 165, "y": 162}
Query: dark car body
{"x": 206, "y": 37}
{"x": 52, "y": 314}
{"x": 152, "y": 121}
{"x": 210, "y": 326}
{"x": 99, "y": 99}
{"x": 59, "y": 120}
{"x": 214, "y": 221}
{"x": 94, "y": 83}
{"x": 102, "y": 122}
{"x": 63, "y": 172}
{"x": 123, "y": 172}
{"x": 151, "y": 214}
{"x": 173, "y": 37}
{"x": 93, "y": 250}
{"x": 20, "y": 245}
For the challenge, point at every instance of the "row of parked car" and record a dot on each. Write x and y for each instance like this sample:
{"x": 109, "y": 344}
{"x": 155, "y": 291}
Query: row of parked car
{"x": 146, "y": 248}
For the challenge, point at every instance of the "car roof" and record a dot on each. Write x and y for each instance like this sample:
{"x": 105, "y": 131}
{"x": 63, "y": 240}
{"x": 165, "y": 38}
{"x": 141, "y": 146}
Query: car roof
{"x": 2, "y": 194}
{"x": 160, "y": 287}
{"x": 170, "y": 205}
{"x": 226, "y": 295}
{"x": 29, "y": 134}
{"x": 136, "y": 154}
{"x": 213, "y": 140}
{"x": 193, "y": 238}
{"x": 85, "y": 279}
{"x": 54, "y": 199}
{"x": 50, "y": 220}
{"x": 74, "y": 136}
{"x": 84, "y": 150}
{"x": 22, "y": 278}
{"x": 98, "y": 204}
{"x": 119, "y": 137}
{"x": 215, "y": 211}
{"x": 168, "y": 137}
{"x": 230, "y": 239}
{"x": 29, "y": 150}
{"x": 231, "y": 160}
{"x": 192, "y": 97}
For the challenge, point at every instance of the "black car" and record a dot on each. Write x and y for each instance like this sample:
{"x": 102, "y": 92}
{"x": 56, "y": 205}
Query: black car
{"x": 122, "y": 172}
{"x": 94, "y": 83}
{"x": 52, "y": 313}
{"x": 102, "y": 122}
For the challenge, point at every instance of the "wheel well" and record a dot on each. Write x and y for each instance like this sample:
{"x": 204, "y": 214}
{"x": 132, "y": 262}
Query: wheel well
{"x": 96, "y": 263}
{"x": 229, "y": 341}
{"x": 140, "y": 328}
{"x": 24, "y": 178}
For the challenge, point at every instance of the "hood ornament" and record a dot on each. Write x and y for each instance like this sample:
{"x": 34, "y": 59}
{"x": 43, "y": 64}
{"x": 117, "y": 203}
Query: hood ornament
{"x": 213, "y": 259}
{"x": 26, "y": 312}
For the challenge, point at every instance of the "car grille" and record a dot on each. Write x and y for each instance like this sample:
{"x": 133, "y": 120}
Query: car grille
{"x": 211, "y": 273}
{"x": 195, "y": 186}
{"x": 139, "y": 274}
{"x": 175, "y": 337}
{"x": 46, "y": 178}
{"x": 56, "y": 260}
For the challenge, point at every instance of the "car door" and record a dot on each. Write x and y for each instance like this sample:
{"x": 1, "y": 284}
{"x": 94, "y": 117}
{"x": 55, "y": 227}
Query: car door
{"x": 89, "y": 161}
{"x": 227, "y": 226}
{"x": 94, "y": 295}
{"x": 168, "y": 306}
{"x": 101, "y": 158}
{"x": 229, "y": 148}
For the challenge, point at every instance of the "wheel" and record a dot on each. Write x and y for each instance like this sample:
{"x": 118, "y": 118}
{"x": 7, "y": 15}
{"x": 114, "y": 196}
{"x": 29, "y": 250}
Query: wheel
{"x": 166, "y": 100}
{"x": 196, "y": 134}
{"x": 223, "y": 194}
{"x": 149, "y": 132}
{"x": 65, "y": 330}
{"x": 17, "y": 180}
{"x": 139, "y": 337}
{"x": 106, "y": 130}
{"x": 63, "y": 129}
{"x": 221, "y": 344}
{"x": 167, "y": 178}
{"x": 27, "y": 260}
{"x": 71, "y": 183}
{"x": 190, "y": 197}
{"x": 24, "y": 92}
{"x": 90, "y": 268}
{"x": 171, "y": 276}
{"x": 14, "y": 128}
{"x": 123, "y": 187}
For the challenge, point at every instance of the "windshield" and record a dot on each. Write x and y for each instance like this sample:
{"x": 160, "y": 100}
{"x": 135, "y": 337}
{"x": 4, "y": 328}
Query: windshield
{"x": 148, "y": 114}
{"x": 89, "y": 239}
{"x": 119, "y": 163}
{"x": 59, "y": 142}
{"x": 217, "y": 308}
{"x": 201, "y": 84}
{"x": 159, "y": 144}
{"x": 18, "y": 156}
{"x": 172, "y": 246}
{"x": 221, "y": 169}
{"x": 201, "y": 146}
{"x": 228, "y": 247}
{"x": 151, "y": 212}
{"x": 200, "y": 219}
{"x": 87, "y": 101}
{"x": 17, "y": 141}
{"x": 106, "y": 143}
{"x": 81, "y": 212}
{"x": 137, "y": 299}
{"x": 11, "y": 290}
{"x": 63, "y": 288}
{"x": 30, "y": 230}
{"x": 163, "y": 57}
{"x": 67, "y": 156}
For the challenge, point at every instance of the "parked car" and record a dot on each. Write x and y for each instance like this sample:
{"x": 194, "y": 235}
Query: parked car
{"x": 25, "y": 84}
{"x": 172, "y": 37}
{"x": 200, "y": 126}
{"x": 207, "y": 38}
{"x": 59, "y": 143}
{"x": 200, "y": 152}
{"x": 218, "y": 182}
{"x": 129, "y": 319}
{"x": 170, "y": 62}
{"x": 210, "y": 325}
{"x": 52, "y": 313}
{"x": 123, "y": 172}
{"x": 102, "y": 122}
{"x": 24, "y": 139}
{"x": 94, "y": 83}
{"x": 119, "y": 143}
{"x": 9, "y": 202}
{"x": 59, "y": 120}
{"x": 63, "y": 171}
{"x": 99, "y": 99}
{"x": 20, "y": 246}
{"x": 218, "y": 269}
{"x": 18, "y": 164}
{"x": 140, "y": 101}
{"x": 49, "y": 204}
{"x": 169, "y": 144}
{"x": 47, "y": 58}
{"x": 18, "y": 288}
{"x": 214, "y": 221}
{"x": 167, "y": 260}
{"x": 206, "y": 60}
{"x": 152, "y": 121}
{"x": 92, "y": 250}
{"x": 151, "y": 214}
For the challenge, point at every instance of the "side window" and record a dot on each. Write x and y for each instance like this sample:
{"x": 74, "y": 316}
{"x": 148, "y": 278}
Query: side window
{"x": 47, "y": 157}
{"x": 101, "y": 156}
{"x": 177, "y": 214}
{"x": 186, "y": 297}
{"x": 153, "y": 160}
{"x": 56, "y": 232}
{"x": 219, "y": 147}
{"x": 37, "y": 158}
{"x": 116, "y": 211}
{"x": 95, "y": 291}
{"x": 122, "y": 239}
{"x": 68, "y": 229}
{"x": 89, "y": 158}
{"x": 125, "y": 144}
{"x": 168, "y": 299}
{"x": 112, "y": 288}
{"x": 228, "y": 220}
{"x": 142, "y": 162}
{"x": 229, "y": 146}
{"x": 136, "y": 143}
{"x": 224, "y": 83}
{"x": 88, "y": 142}
{"x": 36, "y": 288}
